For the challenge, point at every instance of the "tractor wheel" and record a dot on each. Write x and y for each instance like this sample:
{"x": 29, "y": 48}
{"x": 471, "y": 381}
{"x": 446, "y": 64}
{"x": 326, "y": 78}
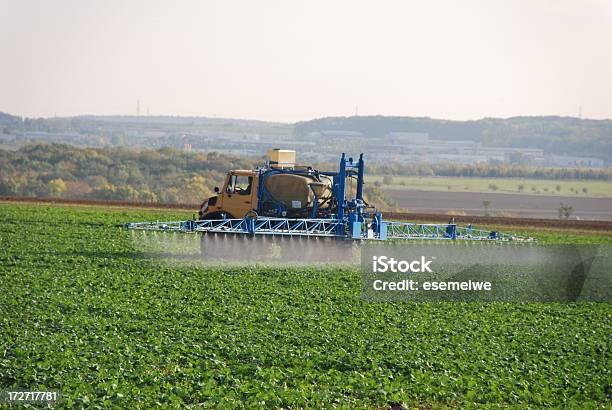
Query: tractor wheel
{"x": 217, "y": 215}
{"x": 252, "y": 214}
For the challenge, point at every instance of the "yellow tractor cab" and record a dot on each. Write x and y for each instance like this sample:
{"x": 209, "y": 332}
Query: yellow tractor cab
{"x": 237, "y": 197}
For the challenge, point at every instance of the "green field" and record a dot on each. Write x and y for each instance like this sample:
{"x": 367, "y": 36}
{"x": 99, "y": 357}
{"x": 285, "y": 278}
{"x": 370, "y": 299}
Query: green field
{"x": 82, "y": 311}
{"x": 596, "y": 189}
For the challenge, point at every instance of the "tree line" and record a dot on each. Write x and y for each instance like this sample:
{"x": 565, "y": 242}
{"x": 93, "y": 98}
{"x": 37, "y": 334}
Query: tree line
{"x": 490, "y": 171}
{"x": 165, "y": 175}
{"x": 168, "y": 175}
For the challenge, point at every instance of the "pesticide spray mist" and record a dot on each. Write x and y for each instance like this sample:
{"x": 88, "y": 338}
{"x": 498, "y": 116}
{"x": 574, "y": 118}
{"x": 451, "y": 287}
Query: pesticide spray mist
{"x": 517, "y": 272}
{"x": 239, "y": 249}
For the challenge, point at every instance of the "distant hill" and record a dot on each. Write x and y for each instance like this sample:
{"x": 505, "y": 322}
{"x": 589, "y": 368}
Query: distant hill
{"x": 561, "y": 135}
{"x": 556, "y": 135}
{"x": 169, "y": 120}
{"x": 8, "y": 119}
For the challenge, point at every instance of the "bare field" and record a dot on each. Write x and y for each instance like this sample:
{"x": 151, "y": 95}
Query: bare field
{"x": 520, "y": 206}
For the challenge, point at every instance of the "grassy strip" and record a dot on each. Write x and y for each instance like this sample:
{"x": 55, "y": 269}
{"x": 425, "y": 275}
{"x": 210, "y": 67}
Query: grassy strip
{"x": 596, "y": 189}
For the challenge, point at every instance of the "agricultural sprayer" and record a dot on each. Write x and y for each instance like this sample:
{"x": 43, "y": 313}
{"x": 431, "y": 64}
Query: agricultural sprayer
{"x": 281, "y": 200}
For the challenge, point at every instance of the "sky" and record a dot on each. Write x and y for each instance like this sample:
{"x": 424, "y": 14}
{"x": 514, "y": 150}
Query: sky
{"x": 291, "y": 60}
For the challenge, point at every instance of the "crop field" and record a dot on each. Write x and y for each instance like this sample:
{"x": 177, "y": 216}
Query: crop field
{"x": 84, "y": 312}
{"x": 594, "y": 189}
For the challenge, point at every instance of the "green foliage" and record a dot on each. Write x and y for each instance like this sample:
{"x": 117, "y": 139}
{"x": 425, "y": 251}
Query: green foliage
{"x": 565, "y": 211}
{"x": 84, "y": 313}
{"x": 165, "y": 175}
{"x": 374, "y": 196}
{"x": 57, "y": 187}
{"x": 487, "y": 207}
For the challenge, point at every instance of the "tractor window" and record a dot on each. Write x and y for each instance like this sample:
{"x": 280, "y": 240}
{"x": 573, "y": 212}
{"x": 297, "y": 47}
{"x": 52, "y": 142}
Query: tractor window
{"x": 239, "y": 184}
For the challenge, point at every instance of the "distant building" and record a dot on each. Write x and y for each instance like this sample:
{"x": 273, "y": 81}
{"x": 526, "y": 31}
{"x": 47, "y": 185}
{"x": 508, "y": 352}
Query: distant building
{"x": 408, "y": 137}
{"x": 341, "y": 133}
{"x": 573, "y": 162}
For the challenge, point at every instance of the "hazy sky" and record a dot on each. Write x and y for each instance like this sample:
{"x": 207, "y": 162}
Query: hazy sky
{"x": 291, "y": 60}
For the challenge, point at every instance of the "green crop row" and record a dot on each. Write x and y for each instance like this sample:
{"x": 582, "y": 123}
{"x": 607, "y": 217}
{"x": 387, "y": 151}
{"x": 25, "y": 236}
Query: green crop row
{"x": 84, "y": 312}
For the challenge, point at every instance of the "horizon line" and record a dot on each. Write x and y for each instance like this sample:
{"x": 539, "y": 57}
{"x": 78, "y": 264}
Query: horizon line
{"x": 307, "y": 120}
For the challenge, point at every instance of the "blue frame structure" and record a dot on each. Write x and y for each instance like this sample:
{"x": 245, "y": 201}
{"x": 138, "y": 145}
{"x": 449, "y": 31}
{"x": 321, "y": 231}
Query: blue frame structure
{"x": 259, "y": 226}
{"x": 391, "y": 230}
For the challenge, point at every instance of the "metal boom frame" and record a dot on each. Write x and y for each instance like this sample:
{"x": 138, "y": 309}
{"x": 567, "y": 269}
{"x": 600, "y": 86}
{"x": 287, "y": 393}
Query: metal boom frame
{"x": 325, "y": 228}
